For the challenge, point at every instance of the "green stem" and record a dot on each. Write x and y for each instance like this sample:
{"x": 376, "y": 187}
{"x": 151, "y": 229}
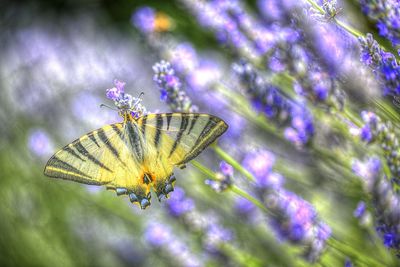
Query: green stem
{"x": 349, "y": 251}
{"x": 348, "y": 28}
{"x": 225, "y": 156}
{"x": 387, "y": 111}
{"x": 316, "y": 6}
{"x": 204, "y": 169}
{"x": 233, "y": 188}
{"x": 250, "y": 198}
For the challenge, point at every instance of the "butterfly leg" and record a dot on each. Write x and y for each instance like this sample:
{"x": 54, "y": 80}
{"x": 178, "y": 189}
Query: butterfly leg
{"x": 140, "y": 195}
{"x": 143, "y": 201}
{"x": 163, "y": 187}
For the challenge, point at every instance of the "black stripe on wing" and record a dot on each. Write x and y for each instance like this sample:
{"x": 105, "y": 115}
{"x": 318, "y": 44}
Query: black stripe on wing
{"x": 73, "y": 153}
{"x": 159, "y": 125}
{"x": 193, "y": 122}
{"x": 104, "y": 139}
{"x": 93, "y": 138}
{"x": 169, "y": 117}
{"x": 62, "y": 165}
{"x": 211, "y": 131}
{"x": 81, "y": 149}
{"x": 134, "y": 139}
{"x": 182, "y": 128}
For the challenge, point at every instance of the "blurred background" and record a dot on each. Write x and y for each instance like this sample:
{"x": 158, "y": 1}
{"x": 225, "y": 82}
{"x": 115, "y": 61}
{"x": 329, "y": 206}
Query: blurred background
{"x": 57, "y": 59}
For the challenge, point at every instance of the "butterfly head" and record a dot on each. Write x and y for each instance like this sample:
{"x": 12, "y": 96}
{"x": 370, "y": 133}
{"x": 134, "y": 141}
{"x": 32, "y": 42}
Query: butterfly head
{"x": 128, "y": 106}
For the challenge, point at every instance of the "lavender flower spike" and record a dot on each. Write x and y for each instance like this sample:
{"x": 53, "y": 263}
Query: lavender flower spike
{"x": 292, "y": 218}
{"x": 116, "y": 92}
{"x": 223, "y": 178}
{"x": 294, "y": 117}
{"x": 171, "y": 88}
{"x": 386, "y": 13}
{"x": 296, "y": 220}
{"x": 213, "y": 234}
{"x": 125, "y": 102}
{"x": 383, "y": 133}
{"x": 162, "y": 238}
{"x": 385, "y": 200}
{"x": 383, "y": 64}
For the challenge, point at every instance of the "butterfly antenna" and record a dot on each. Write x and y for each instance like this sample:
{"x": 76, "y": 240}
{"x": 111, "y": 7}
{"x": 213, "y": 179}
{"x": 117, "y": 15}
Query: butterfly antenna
{"x": 107, "y": 106}
{"x": 141, "y": 94}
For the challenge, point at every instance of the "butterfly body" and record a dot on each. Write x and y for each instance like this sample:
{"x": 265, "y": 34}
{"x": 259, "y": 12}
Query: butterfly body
{"x": 138, "y": 154}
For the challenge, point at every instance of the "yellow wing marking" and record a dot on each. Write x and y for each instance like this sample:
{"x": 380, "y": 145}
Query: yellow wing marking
{"x": 182, "y": 136}
{"x": 174, "y": 139}
{"x": 100, "y": 157}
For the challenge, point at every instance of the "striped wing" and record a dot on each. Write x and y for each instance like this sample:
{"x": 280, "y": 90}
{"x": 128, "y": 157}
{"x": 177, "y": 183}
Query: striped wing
{"x": 180, "y": 137}
{"x": 100, "y": 157}
{"x": 174, "y": 139}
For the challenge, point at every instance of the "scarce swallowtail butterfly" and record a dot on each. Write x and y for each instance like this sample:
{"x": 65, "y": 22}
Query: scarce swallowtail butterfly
{"x": 137, "y": 154}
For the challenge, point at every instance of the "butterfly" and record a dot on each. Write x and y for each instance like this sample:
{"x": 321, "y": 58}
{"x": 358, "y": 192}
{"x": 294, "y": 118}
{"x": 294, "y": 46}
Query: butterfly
{"x": 137, "y": 154}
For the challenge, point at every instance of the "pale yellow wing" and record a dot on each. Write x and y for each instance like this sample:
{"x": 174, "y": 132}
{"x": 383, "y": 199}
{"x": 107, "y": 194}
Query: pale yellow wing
{"x": 175, "y": 139}
{"x": 181, "y": 136}
{"x": 101, "y": 157}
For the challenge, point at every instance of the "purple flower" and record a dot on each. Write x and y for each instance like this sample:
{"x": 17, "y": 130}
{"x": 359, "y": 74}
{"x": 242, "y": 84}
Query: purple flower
{"x": 272, "y": 180}
{"x": 332, "y": 44}
{"x": 302, "y": 127}
{"x": 368, "y": 170}
{"x": 223, "y": 178}
{"x": 383, "y": 64}
{"x": 171, "y": 88}
{"x": 116, "y": 92}
{"x": 360, "y": 210}
{"x": 144, "y": 19}
{"x": 215, "y": 235}
{"x": 172, "y": 81}
{"x": 244, "y": 208}
{"x": 385, "y": 200}
{"x": 157, "y": 234}
{"x": 348, "y": 263}
{"x": 125, "y": 102}
{"x": 259, "y": 163}
{"x": 216, "y": 15}
{"x": 178, "y": 204}
{"x": 226, "y": 169}
{"x": 377, "y": 131}
{"x": 295, "y": 220}
{"x": 270, "y": 9}
{"x": 366, "y": 134}
{"x": 212, "y": 233}
{"x": 184, "y": 58}
{"x": 292, "y": 116}
{"x": 40, "y": 143}
{"x": 386, "y": 13}
{"x": 206, "y": 74}
{"x": 161, "y": 237}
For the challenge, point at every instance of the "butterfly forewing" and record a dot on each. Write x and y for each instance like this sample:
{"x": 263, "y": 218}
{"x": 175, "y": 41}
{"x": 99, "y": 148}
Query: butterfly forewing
{"x": 100, "y": 157}
{"x": 181, "y": 136}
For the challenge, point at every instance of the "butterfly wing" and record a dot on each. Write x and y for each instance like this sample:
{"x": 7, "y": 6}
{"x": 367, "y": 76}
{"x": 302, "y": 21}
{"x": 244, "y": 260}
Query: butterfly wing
{"x": 131, "y": 157}
{"x": 101, "y": 157}
{"x": 175, "y": 139}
